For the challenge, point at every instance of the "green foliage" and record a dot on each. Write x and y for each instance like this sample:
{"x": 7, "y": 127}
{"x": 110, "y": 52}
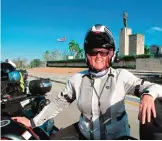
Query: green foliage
{"x": 133, "y": 57}
{"x": 46, "y": 56}
{"x": 144, "y": 56}
{"x": 80, "y": 54}
{"x": 128, "y": 57}
{"x": 83, "y": 61}
{"x": 75, "y": 50}
{"x": 35, "y": 63}
{"x": 73, "y": 47}
{"x": 147, "y": 49}
{"x": 55, "y": 55}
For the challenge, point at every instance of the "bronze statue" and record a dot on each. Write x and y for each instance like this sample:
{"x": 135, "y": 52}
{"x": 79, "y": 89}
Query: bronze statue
{"x": 125, "y": 19}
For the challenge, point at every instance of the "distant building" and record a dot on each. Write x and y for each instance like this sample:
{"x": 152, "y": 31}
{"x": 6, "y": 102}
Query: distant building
{"x": 70, "y": 57}
{"x": 156, "y": 50}
{"x": 160, "y": 50}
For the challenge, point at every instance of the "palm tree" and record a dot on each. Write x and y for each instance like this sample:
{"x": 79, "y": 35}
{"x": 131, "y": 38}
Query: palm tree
{"x": 74, "y": 47}
{"x": 80, "y": 54}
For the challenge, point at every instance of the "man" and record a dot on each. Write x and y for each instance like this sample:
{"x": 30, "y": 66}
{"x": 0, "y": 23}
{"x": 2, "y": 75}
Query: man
{"x": 99, "y": 93}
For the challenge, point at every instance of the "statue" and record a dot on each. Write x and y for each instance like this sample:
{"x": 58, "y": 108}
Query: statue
{"x": 125, "y": 19}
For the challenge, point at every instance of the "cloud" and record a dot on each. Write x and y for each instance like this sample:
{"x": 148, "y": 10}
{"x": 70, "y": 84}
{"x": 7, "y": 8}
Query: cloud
{"x": 156, "y": 28}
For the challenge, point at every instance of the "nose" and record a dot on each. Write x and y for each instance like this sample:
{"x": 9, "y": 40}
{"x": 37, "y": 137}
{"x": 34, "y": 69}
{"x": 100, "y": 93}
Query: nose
{"x": 98, "y": 55}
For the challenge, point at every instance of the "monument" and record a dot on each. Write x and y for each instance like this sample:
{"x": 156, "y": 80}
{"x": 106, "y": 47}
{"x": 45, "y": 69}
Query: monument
{"x": 124, "y": 36}
{"x": 125, "y": 19}
{"x": 130, "y": 44}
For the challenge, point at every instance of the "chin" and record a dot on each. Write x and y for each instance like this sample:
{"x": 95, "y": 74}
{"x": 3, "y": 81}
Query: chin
{"x": 99, "y": 68}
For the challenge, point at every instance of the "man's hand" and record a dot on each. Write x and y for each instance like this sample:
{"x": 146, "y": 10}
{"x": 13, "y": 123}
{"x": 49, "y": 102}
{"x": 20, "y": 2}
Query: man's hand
{"x": 146, "y": 108}
{"x": 22, "y": 120}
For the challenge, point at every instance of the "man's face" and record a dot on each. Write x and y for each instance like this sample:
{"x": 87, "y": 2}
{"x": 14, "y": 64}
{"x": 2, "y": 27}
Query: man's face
{"x": 99, "y": 58}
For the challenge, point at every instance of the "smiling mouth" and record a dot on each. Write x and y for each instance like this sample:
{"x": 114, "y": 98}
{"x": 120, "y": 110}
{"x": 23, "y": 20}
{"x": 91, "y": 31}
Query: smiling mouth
{"x": 98, "y": 61}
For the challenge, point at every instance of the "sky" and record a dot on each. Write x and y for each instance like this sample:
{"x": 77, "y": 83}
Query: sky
{"x": 31, "y": 27}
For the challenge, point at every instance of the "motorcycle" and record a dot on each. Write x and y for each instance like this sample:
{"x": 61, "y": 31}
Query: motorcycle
{"x": 28, "y": 105}
{"x": 11, "y": 130}
{"x": 24, "y": 133}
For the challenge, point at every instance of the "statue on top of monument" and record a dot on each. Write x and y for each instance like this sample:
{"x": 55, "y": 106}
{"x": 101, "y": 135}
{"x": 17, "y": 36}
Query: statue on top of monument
{"x": 125, "y": 19}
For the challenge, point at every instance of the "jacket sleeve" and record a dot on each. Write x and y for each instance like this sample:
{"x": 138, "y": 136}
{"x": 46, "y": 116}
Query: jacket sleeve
{"x": 131, "y": 82}
{"x": 66, "y": 97}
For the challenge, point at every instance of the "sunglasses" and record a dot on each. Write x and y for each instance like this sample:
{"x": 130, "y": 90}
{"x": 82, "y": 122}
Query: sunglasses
{"x": 102, "y": 53}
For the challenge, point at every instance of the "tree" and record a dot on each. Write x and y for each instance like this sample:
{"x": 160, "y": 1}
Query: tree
{"x": 64, "y": 55}
{"x": 24, "y": 62}
{"x": 80, "y": 54}
{"x": 46, "y": 56}
{"x": 73, "y": 47}
{"x": 56, "y": 55}
{"x": 35, "y": 63}
{"x": 20, "y": 62}
{"x": 146, "y": 49}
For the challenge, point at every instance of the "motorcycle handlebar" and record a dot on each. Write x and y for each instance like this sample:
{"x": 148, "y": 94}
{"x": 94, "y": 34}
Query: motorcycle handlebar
{"x": 20, "y": 97}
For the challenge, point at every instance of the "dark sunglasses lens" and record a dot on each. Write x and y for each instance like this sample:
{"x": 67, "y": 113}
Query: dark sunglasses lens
{"x": 102, "y": 53}
{"x": 93, "y": 53}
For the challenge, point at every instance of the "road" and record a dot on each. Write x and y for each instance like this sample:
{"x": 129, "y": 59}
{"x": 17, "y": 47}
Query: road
{"x": 71, "y": 114}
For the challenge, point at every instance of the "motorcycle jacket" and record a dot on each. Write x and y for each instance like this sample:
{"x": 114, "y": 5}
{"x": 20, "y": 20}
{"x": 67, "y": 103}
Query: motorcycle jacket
{"x": 100, "y": 100}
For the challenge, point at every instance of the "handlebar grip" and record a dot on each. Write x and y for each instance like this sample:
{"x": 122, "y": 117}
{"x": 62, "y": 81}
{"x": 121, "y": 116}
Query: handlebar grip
{"x": 18, "y": 98}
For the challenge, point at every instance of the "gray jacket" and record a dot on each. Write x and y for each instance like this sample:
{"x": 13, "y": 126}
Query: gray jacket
{"x": 100, "y": 100}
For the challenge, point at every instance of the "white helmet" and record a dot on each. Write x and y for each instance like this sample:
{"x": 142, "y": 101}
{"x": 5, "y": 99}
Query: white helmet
{"x": 10, "y": 62}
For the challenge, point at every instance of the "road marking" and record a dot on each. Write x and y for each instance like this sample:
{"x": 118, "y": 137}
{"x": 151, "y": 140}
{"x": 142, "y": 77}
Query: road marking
{"x": 132, "y": 103}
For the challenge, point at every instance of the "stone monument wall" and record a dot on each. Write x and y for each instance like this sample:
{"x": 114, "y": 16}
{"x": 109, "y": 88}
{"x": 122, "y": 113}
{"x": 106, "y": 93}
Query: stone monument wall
{"x": 132, "y": 44}
{"x": 150, "y": 64}
{"x": 124, "y": 41}
{"x": 140, "y": 44}
{"x": 136, "y": 44}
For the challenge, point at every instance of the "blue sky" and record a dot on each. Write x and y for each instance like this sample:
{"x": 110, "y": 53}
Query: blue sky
{"x": 30, "y": 27}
